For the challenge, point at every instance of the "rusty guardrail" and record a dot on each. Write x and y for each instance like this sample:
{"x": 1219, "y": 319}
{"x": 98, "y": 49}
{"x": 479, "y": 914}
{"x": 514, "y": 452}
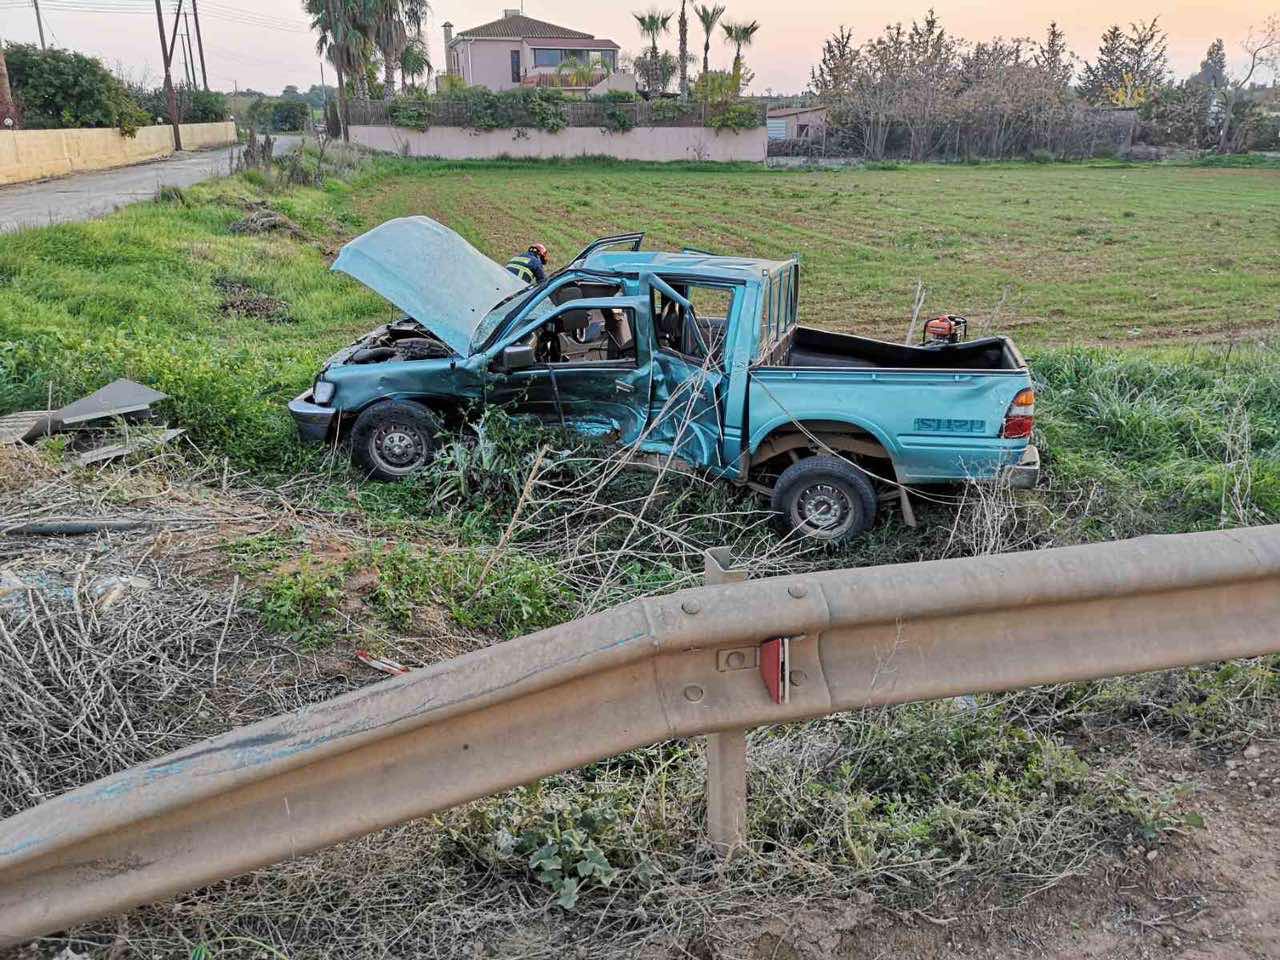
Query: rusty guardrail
{"x": 688, "y": 663}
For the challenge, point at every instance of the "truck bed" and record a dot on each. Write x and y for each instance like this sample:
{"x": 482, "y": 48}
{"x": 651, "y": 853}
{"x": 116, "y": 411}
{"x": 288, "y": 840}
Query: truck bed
{"x": 819, "y": 348}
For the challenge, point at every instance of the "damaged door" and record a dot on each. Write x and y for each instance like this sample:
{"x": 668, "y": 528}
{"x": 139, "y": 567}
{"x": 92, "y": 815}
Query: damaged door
{"x": 691, "y": 323}
{"x": 581, "y": 366}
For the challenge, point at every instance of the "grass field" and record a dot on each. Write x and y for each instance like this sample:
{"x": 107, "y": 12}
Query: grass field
{"x": 1179, "y": 430}
{"x": 1092, "y": 253}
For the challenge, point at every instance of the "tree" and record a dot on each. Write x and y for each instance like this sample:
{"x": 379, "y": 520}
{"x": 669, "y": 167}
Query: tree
{"x": 1130, "y": 66}
{"x": 1213, "y": 68}
{"x": 653, "y": 24}
{"x": 60, "y": 89}
{"x": 340, "y": 41}
{"x": 658, "y": 72}
{"x": 388, "y": 24}
{"x": 708, "y": 15}
{"x": 8, "y": 111}
{"x": 835, "y": 73}
{"x": 740, "y": 35}
{"x": 1262, "y": 47}
{"x": 415, "y": 62}
{"x": 683, "y": 24}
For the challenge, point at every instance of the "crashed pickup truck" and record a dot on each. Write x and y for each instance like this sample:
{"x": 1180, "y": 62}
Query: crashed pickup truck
{"x": 695, "y": 358}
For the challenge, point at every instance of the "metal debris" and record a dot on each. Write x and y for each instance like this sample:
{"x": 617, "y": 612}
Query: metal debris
{"x": 113, "y": 450}
{"x": 119, "y": 400}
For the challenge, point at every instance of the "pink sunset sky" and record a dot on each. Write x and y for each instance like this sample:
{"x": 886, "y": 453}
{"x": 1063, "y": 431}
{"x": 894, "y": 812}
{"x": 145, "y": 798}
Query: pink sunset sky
{"x": 264, "y": 44}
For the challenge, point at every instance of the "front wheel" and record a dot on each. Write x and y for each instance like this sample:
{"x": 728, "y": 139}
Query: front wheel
{"x": 824, "y": 498}
{"x": 394, "y": 439}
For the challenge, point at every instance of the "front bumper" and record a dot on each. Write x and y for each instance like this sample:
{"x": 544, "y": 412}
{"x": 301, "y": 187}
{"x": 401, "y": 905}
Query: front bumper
{"x": 1025, "y": 474}
{"x": 314, "y": 421}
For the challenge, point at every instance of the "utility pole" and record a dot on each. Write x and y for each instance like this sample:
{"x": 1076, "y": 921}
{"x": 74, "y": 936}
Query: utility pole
{"x": 166, "y": 52}
{"x": 186, "y": 66}
{"x": 204, "y": 74}
{"x": 191, "y": 59}
{"x": 39, "y": 22}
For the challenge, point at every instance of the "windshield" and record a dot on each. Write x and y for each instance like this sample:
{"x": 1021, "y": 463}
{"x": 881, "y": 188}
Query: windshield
{"x": 504, "y": 310}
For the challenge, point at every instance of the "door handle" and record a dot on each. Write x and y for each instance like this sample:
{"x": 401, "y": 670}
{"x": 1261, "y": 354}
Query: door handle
{"x": 622, "y": 386}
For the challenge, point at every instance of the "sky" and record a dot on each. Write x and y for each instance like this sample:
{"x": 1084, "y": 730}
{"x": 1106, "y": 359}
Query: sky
{"x": 265, "y": 44}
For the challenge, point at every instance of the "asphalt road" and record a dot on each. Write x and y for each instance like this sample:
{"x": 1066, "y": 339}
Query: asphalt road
{"x": 84, "y": 196}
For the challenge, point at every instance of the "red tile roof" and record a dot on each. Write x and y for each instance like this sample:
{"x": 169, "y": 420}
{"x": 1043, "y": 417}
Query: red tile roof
{"x": 522, "y": 28}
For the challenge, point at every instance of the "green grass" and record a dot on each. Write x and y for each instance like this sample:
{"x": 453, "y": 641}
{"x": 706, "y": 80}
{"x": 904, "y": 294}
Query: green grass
{"x": 1098, "y": 253}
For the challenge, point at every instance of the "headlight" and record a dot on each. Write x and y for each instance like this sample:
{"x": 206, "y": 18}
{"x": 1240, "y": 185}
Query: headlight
{"x": 323, "y": 391}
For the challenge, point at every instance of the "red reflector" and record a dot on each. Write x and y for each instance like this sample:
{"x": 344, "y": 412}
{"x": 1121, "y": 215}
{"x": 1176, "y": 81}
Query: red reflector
{"x": 1018, "y": 427}
{"x": 773, "y": 668}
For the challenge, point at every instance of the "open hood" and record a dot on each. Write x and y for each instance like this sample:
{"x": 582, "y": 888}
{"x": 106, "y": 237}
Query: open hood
{"x": 430, "y": 273}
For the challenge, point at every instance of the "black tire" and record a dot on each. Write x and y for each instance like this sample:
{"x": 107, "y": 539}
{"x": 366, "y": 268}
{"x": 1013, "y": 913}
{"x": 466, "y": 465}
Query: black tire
{"x": 825, "y": 498}
{"x": 394, "y": 439}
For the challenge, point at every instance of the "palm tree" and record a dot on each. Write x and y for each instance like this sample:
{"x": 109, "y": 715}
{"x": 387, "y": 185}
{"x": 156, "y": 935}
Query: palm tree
{"x": 340, "y": 42}
{"x": 387, "y": 24}
{"x": 580, "y": 73}
{"x": 709, "y": 15}
{"x": 7, "y": 109}
{"x": 740, "y": 35}
{"x": 653, "y": 24}
{"x": 684, "y": 51}
{"x": 415, "y": 62}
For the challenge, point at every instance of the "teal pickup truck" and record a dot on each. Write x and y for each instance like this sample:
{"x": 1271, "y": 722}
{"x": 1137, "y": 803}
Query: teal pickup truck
{"x": 697, "y": 359}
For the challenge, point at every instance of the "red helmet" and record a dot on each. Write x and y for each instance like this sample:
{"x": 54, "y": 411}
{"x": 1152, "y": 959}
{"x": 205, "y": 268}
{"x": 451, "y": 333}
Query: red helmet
{"x": 541, "y": 250}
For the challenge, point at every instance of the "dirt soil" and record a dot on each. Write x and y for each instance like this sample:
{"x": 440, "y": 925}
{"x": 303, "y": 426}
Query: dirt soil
{"x": 1212, "y": 894}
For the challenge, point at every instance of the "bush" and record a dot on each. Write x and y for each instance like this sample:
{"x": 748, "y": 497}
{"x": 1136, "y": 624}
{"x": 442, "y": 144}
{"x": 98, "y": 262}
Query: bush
{"x": 205, "y": 106}
{"x": 480, "y": 109}
{"x": 290, "y": 115}
{"x": 58, "y": 89}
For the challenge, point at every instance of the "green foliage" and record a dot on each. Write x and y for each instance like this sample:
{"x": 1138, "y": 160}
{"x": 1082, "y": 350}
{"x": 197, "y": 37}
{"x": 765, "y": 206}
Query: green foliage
{"x": 273, "y": 115}
{"x": 206, "y": 106}
{"x": 61, "y": 89}
{"x": 1169, "y": 442}
{"x": 738, "y": 116}
{"x": 300, "y": 602}
{"x": 479, "y": 108}
{"x": 564, "y": 854}
{"x": 614, "y": 96}
{"x": 505, "y": 595}
{"x": 617, "y": 120}
{"x": 290, "y": 115}
{"x": 669, "y": 111}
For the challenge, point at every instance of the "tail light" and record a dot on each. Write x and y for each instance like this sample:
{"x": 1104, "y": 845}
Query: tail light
{"x": 1021, "y": 418}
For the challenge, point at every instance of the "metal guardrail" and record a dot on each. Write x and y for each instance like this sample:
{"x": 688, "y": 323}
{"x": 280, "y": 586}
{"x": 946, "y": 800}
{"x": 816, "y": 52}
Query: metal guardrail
{"x": 693, "y": 662}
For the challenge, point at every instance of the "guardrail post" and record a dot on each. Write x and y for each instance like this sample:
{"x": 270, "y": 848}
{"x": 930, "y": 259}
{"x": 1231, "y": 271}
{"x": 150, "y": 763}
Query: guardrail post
{"x": 726, "y": 751}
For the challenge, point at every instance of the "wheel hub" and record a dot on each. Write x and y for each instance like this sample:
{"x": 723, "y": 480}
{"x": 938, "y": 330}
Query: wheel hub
{"x": 824, "y": 506}
{"x": 397, "y": 447}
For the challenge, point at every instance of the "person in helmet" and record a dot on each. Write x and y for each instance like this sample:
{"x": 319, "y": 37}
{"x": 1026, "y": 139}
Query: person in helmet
{"x": 530, "y": 265}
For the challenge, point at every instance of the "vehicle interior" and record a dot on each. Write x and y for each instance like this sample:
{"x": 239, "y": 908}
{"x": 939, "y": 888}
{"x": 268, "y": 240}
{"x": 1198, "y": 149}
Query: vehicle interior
{"x": 584, "y": 336}
{"x": 701, "y": 336}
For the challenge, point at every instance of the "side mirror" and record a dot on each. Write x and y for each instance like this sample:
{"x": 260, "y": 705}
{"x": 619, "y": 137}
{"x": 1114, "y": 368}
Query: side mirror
{"x": 517, "y": 357}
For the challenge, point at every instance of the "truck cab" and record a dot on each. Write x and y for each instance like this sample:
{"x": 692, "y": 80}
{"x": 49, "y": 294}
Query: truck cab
{"x": 690, "y": 357}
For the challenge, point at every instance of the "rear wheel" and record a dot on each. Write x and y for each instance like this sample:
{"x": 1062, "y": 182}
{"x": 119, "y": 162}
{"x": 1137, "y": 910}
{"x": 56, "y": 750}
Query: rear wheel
{"x": 394, "y": 439}
{"x": 824, "y": 498}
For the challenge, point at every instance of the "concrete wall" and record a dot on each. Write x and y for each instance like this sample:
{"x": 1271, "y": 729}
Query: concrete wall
{"x": 642, "y": 143}
{"x": 206, "y": 136}
{"x": 39, "y": 154}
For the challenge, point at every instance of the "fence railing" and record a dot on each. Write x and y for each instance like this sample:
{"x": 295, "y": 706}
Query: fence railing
{"x": 718, "y": 658}
{"x": 503, "y": 113}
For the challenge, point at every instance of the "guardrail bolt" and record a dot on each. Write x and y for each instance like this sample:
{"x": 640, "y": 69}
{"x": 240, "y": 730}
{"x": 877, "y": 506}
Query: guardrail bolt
{"x": 798, "y": 590}
{"x": 798, "y": 678}
{"x": 690, "y": 607}
{"x": 693, "y": 693}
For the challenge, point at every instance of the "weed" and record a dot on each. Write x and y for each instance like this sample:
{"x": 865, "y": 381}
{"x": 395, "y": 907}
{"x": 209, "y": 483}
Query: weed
{"x": 299, "y": 602}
